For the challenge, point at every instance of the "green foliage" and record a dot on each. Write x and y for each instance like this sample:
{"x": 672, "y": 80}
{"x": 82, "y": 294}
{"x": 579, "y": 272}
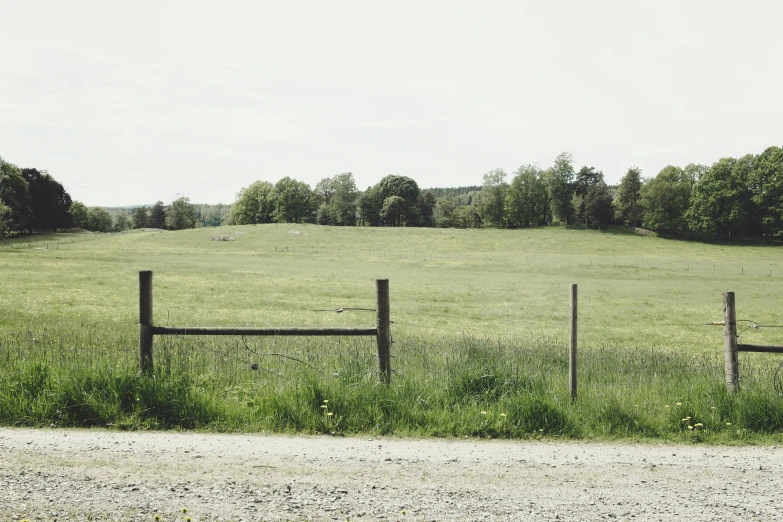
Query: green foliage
{"x": 254, "y": 204}
{"x": 337, "y": 197}
{"x": 560, "y": 178}
{"x": 294, "y": 201}
{"x": 598, "y": 208}
{"x": 157, "y": 216}
{"x": 79, "y": 214}
{"x": 49, "y": 201}
{"x": 527, "y": 201}
{"x": 719, "y": 203}
{"x": 180, "y": 214}
{"x": 15, "y": 198}
{"x": 491, "y": 206}
{"x": 766, "y": 186}
{"x": 393, "y": 211}
{"x": 665, "y": 200}
{"x": 99, "y": 219}
{"x": 629, "y": 195}
{"x": 140, "y": 217}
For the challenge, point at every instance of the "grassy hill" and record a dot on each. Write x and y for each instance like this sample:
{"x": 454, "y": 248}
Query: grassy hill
{"x": 480, "y": 323}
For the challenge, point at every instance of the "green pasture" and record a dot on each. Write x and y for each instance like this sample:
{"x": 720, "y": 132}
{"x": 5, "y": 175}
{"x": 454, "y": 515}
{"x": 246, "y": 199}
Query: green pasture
{"x": 480, "y": 325}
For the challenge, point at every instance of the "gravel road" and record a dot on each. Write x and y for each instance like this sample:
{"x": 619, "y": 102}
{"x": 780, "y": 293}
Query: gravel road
{"x": 101, "y": 475}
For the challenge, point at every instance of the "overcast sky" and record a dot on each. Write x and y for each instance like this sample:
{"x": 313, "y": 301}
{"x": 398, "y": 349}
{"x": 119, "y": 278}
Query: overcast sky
{"x": 128, "y": 103}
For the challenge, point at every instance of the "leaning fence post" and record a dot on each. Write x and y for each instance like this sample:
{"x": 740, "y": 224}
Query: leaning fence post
{"x": 145, "y": 321}
{"x": 572, "y": 346}
{"x": 384, "y": 329}
{"x": 730, "y": 350}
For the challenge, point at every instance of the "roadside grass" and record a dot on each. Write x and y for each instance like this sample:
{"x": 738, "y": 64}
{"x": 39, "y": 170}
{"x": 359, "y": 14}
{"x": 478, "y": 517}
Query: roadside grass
{"x": 480, "y": 329}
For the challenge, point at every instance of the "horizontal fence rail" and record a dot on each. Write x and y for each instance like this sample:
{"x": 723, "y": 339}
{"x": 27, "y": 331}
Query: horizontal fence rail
{"x": 209, "y": 330}
{"x": 759, "y": 348}
{"x": 147, "y": 331}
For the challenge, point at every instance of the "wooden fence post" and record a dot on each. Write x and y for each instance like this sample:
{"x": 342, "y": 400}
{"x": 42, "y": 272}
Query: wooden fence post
{"x": 384, "y": 329}
{"x": 572, "y": 347}
{"x": 730, "y": 350}
{"x": 145, "y": 321}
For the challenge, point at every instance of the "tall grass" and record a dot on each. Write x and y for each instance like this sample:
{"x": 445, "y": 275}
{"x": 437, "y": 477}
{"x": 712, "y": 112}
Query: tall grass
{"x": 480, "y": 327}
{"x": 461, "y": 385}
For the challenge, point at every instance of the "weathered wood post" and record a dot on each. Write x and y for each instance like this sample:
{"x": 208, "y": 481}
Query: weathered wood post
{"x": 145, "y": 321}
{"x": 572, "y": 347}
{"x": 384, "y": 329}
{"x": 730, "y": 349}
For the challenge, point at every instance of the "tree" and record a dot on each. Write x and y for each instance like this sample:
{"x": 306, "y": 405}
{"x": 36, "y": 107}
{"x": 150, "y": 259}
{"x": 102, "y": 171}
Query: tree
{"x": 493, "y": 198}
{"x": 766, "y": 187}
{"x": 180, "y": 214}
{"x": 121, "y": 221}
{"x": 78, "y": 213}
{"x": 98, "y": 219}
{"x": 369, "y": 205}
{"x": 426, "y": 206}
{"x": 15, "y": 198}
{"x": 527, "y": 201}
{"x": 405, "y": 188}
{"x": 157, "y": 217}
{"x": 5, "y": 219}
{"x": 294, "y": 201}
{"x": 629, "y": 196}
{"x": 598, "y": 204}
{"x": 586, "y": 178}
{"x": 49, "y": 201}
{"x": 444, "y": 211}
{"x": 393, "y": 210}
{"x": 140, "y": 217}
{"x": 560, "y": 179}
{"x": 254, "y": 204}
{"x": 343, "y": 205}
{"x": 665, "y": 199}
{"x": 324, "y": 190}
{"x": 719, "y": 200}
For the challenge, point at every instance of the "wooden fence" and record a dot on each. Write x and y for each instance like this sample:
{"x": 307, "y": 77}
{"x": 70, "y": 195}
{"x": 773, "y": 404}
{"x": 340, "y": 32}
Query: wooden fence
{"x": 147, "y": 331}
{"x": 731, "y": 347}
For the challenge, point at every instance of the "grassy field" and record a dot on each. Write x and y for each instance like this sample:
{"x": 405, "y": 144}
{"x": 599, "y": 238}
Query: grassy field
{"x": 480, "y": 328}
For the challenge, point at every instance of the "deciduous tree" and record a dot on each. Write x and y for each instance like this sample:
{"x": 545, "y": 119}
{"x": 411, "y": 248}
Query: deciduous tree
{"x": 629, "y": 196}
{"x": 560, "y": 187}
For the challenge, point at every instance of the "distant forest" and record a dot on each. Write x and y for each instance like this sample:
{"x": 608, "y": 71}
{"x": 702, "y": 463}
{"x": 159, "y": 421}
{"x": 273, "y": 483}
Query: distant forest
{"x": 735, "y": 197}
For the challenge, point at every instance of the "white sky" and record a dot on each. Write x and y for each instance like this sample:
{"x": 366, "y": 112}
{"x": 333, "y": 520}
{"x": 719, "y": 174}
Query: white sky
{"x": 128, "y": 103}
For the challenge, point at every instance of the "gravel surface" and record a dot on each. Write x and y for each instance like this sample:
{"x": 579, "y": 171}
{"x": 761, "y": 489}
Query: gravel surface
{"x": 101, "y": 475}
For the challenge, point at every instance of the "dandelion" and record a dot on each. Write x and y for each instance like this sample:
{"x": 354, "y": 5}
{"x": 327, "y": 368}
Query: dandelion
{"x": 330, "y": 414}
{"x": 184, "y": 510}
{"x": 483, "y": 413}
{"x": 698, "y": 425}
{"x": 635, "y": 405}
{"x": 665, "y": 405}
{"x": 686, "y": 419}
{"x": 502, "y": 414}
{"x": 678, "y": 404}
{"x": 323, "y": 405}
{"x": 403, "y": 511}
{"x": 542, "y": 429}
{"x": 690, "y": 427}
{"x": 712, "y": 407}
{"x": 326, "y": 400}
{"x": 728, "y": 424}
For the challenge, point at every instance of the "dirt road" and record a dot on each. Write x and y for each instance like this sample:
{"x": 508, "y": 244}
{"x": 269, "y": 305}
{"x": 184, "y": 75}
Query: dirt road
{"x": 99, "y": 475}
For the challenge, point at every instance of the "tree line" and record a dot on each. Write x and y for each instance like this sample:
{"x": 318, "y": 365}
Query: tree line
{"x": 733, "y": 197}
{"x": 33, "y": 201}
